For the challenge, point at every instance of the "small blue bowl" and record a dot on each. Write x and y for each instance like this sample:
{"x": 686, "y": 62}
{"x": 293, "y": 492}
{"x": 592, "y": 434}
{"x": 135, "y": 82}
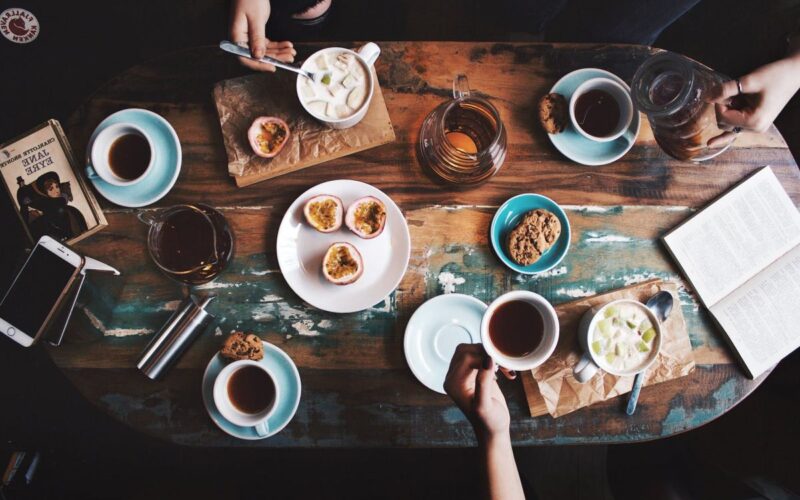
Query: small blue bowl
{"x": 509, "y": 215}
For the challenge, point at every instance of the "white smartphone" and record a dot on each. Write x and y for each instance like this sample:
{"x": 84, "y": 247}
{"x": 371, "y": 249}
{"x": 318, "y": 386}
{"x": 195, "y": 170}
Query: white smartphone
{"x": 35, "y": 293}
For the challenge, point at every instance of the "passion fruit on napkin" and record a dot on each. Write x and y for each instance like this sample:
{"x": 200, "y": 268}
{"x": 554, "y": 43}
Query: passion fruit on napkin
{"x": 268, "y": 135}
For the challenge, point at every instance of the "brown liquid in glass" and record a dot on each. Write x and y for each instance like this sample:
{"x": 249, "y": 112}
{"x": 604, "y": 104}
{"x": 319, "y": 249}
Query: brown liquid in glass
{"x": 129, "y": 156}
{"x": 251, "y": 390}
{"x": 516, "y": 328}
{"x": 186, "y": 243}
{"x": 597, "y": 113}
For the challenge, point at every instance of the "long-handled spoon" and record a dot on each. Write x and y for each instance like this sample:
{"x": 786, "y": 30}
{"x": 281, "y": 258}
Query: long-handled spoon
{"x": 661, "y": 305}
{"x": 245, "y": 52}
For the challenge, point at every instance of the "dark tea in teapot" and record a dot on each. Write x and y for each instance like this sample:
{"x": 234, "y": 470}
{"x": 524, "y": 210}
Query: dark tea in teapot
{"x": 191, "y": 243}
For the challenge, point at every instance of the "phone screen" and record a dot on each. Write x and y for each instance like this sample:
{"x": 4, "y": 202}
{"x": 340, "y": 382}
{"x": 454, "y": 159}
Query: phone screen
{"x": 36, "y": 290}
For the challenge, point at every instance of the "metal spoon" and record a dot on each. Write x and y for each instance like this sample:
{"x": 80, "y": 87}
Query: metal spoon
{"x": 661, "y": 305}
{"x": 245, "y": 52}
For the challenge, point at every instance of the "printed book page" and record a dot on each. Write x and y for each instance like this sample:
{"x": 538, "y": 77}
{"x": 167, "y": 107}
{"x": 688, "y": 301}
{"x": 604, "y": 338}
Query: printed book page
{"x": 762, "y": 318}
{"x": 736, "y": 237}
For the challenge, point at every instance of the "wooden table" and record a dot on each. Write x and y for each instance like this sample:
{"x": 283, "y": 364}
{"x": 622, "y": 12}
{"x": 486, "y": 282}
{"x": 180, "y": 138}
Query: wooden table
{"x": 357, "y": 388}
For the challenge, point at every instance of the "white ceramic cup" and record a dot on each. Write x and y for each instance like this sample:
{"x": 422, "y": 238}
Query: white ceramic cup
{"x": 621, "y": 94}
{"x": 590, "y": 363}
{"x": 102, "y": 146}
{"x": 221, "y": 398}
{"x": 549, "y": 340}
{"x": 366, "y": 56}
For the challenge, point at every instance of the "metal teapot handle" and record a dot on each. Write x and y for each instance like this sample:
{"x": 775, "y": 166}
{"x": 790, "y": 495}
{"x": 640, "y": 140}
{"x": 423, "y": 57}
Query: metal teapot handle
{"x": 460, "y": 87}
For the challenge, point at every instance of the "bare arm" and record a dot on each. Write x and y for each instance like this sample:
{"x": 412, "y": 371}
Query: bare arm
{"x": 472, "y": 385}
{"x": 764, "y": 94}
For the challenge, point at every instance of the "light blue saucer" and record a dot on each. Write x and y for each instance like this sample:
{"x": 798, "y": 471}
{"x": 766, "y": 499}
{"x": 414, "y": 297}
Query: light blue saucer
{"x": 161, "y": 177}
{"x": 286, "y": 377}
{"x": 434, "y": 331}
{"x": 581, "y": 149}
{"x": 509, "y": 215}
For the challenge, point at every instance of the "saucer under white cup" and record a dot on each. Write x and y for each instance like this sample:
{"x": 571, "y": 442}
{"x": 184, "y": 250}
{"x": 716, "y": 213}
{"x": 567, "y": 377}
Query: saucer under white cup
{"x": 101, "y": 146}
{"x": 258, "y": 421}
{"x": 545, "y": 347}
{"x": 619, "y": 93}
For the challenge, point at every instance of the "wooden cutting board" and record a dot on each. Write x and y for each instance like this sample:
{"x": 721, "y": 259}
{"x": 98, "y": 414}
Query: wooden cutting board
{"x": 240, "y": 100}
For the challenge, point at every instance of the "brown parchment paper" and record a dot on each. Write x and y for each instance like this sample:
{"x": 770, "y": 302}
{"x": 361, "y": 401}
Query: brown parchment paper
{"x": 240, "y": 100}
{"x": 551, "y": 388}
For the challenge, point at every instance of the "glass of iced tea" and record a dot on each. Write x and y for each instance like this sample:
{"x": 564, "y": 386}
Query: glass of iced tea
{"x": 463, "y": 141}
{"x": 190, "y": 243}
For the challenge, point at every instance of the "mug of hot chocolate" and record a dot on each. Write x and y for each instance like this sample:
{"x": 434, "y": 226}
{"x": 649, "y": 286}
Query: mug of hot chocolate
{"x": 340, "y": 94}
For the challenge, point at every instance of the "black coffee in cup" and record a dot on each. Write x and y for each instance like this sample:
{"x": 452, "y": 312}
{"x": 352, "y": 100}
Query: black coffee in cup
{"x": 597, "y": 113}
{"x": 251, "y": 390}
{"x": 129, "y": 156}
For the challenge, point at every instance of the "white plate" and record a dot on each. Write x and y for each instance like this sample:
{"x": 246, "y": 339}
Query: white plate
{"x": 300, "y": 250}
{"x": 434, "y": 331}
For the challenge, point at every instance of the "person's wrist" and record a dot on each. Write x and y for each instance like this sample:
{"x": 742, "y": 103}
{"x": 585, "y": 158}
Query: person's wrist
{"x": 487, "y": 437}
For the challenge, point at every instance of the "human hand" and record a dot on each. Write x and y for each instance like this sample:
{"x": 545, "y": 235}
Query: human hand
{"x": 248, "y": 21}
{"x": 764, "y": 94}
{"x": 471, "y": 383}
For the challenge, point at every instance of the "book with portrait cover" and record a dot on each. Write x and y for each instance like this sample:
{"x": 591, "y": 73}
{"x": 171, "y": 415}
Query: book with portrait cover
{"x": 50, "y": 195}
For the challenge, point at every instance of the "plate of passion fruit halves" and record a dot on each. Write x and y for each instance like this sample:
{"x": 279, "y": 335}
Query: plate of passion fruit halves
{"x": 343, "y": 246}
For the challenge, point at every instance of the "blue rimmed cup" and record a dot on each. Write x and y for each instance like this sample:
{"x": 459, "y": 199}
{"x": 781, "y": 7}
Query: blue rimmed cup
{"x": 510, "y": 214}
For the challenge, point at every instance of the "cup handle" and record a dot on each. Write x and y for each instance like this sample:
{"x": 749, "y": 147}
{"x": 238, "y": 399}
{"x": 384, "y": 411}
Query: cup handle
{"x": 585, "y": 369}
{"x": 262, "y": 428}
{"x": 370, "y": 52}
{"x": 90, "y": 173}
{"x": 460, "y": 87}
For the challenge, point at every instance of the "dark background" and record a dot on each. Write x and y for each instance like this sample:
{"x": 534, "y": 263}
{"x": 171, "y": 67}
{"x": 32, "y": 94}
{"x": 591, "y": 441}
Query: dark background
{"x": 85, "y": 454}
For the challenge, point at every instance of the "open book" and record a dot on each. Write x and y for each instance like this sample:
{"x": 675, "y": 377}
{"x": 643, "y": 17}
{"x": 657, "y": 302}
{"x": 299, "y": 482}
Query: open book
{"x": 742, "y": 256}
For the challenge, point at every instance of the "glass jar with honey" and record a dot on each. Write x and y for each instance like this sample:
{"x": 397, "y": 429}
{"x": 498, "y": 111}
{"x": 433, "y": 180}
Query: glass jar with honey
{"x": 463, "y": 141}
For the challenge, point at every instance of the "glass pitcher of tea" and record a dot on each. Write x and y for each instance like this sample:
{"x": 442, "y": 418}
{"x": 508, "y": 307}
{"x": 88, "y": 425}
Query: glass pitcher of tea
{"x": 190, "y": 243}
{"x": 463, "y": 141}
{"x": 675, "y": 94}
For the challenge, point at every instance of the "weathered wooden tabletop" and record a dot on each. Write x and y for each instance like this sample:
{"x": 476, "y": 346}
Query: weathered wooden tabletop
{"x": 357, "y": 388}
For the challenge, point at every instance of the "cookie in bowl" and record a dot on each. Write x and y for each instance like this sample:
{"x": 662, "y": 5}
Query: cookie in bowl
{"x": 534, "y": 235}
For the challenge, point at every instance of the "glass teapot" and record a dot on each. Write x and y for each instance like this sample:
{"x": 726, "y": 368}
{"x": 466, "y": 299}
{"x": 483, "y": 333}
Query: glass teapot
{"x": 190, "y": 243}
{"x": 675, "y": 94}
{"x": 463, "y": 141}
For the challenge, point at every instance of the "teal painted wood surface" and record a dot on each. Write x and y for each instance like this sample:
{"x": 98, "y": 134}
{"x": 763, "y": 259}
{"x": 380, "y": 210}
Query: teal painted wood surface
{"x": 357, "y": 389}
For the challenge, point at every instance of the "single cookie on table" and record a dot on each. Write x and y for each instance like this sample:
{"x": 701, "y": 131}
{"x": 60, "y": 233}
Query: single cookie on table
{"x": 239, "y": 345}
{"x": 553, "y": 113}
{"x": 537, "y": 231}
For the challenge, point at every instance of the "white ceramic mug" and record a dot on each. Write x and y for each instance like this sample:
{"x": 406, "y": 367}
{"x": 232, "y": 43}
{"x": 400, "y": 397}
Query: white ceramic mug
{"x": 102, "y": 146}
{"x": 258, "y": 421}
{"x": 366, "y": 56}
{"x": 589, "y": 363}
{"x": 549, "y": 339}
{"x": 621, "y": 94}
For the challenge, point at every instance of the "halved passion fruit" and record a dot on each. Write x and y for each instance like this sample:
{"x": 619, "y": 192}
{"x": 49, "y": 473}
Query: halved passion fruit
{"x": 324, "y": 213}
{"x": 268, "y": 135}
{"x": 366, "y": 217}
{"x": 342, "y": 264}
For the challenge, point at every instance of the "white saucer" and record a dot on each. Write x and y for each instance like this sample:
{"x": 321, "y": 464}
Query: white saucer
{"x": 434, "y": 331}
{"x": 300, "y": 250}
